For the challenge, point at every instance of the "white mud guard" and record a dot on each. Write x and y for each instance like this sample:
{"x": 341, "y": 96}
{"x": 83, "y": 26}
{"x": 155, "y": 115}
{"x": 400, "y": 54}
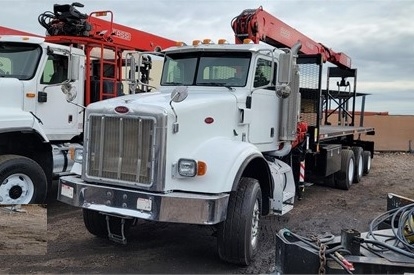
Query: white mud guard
{"x": 284, "y": 190}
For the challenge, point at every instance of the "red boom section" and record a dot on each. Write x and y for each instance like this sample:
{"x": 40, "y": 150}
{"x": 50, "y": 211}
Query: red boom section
{"x": 124, "y": 36}
{"x": 259, "y": 25}
{"x": 106, "y": 42}
{"x": 115, "y": 35}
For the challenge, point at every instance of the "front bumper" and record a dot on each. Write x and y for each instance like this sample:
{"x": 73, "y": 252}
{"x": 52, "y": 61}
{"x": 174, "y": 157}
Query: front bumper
{"x": 180, "y": 207}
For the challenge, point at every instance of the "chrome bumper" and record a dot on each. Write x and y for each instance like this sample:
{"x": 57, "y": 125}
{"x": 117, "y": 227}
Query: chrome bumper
{"x": 177, "y": 207}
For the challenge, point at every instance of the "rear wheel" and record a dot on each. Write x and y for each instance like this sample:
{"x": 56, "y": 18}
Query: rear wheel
{"x": 238, "y": 235}
{"x": 359, "y": 164}
{"x": 366, "y": 159}
{"x": 345, "y": 176}
{"x": 22, "y": 181}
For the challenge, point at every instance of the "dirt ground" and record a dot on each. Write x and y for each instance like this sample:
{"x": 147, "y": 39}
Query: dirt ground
{"x": 188, "y": 249}
{"x": 23, "y": 231}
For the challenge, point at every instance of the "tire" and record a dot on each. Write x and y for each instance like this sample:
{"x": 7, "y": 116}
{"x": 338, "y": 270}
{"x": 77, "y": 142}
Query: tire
{"x": 359, "y": 164}
{"x": 22, "y": 181}
{"x": 345, "y": 176}
{"x": 366, "y": 159}
{"x": 238, "y": 235}
{"x": 95, "y": 223}
{"x": 329, "y": 180}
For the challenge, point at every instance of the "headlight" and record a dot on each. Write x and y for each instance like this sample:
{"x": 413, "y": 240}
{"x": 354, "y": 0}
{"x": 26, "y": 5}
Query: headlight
{"x": 78, "y": 155}
{"x": 187, "y": 167}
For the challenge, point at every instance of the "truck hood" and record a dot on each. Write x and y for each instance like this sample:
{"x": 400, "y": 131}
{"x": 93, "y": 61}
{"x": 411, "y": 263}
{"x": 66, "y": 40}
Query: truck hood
{"x": 11, "y": 93}
{"x": 197, "y": 100}
{"x": 12, "y": 115}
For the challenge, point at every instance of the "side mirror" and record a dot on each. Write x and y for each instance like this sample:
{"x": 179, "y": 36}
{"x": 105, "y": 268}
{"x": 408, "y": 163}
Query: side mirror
{"x": 285, "y": 65}
{"x": 130, "y": 70}
{"x": 179, "y": 94}
{"x": 69, "y": 91}
{"x": 74, "y": 68}
{"x": 286, "y": 61}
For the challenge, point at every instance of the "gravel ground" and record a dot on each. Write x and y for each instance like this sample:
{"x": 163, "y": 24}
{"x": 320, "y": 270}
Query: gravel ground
{"x": 17, "y": 237}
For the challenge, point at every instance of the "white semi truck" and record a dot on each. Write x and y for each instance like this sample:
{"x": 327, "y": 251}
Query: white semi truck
{"x": 40, "y": 126}
{"x": 222, "y": 142}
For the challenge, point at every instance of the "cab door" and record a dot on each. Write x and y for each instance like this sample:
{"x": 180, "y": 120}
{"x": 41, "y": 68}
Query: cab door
{"x": 265, "y": 107}
{"x": 61, "y": 119}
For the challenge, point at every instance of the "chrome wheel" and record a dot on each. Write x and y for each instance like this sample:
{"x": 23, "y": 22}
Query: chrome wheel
{"x": 18, "y": 189}
{"x": 255, "y": 224}
{"x": 351, "y": 170}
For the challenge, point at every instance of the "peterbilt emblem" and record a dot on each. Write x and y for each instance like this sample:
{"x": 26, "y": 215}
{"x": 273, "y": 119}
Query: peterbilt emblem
{"x": 209, "y": 120}
{"x": 121, "y": 109}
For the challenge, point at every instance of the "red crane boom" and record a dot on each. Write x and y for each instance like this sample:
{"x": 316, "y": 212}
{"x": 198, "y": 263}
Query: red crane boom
{"x": 258, "y": 25}
{"x": 125, "y": 36}
{"x": 102, "y": 40}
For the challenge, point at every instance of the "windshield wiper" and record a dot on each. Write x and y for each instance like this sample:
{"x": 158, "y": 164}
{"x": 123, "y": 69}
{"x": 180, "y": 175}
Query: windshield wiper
{"x": 173, "y": 83}
{"x": 218, "y": 84}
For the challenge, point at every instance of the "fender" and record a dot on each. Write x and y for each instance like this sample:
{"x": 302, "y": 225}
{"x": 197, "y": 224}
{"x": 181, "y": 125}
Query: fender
{"x": 12, "y": 116}
{"x": 226, "y": 161}
{"x": 12, "y": 120}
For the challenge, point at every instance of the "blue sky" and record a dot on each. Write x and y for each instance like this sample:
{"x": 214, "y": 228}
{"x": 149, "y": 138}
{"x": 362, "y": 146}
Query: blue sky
{"x": 377, "y": 34}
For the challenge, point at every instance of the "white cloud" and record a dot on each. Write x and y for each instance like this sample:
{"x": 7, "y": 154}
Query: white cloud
{"x": 385, "y": 86}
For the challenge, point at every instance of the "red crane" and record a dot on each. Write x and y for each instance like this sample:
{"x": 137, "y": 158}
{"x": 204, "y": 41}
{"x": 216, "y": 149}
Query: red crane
{"x": 102, "y": 40}
{"x": 258, "y": 25}
{"x": 123, "y": 37}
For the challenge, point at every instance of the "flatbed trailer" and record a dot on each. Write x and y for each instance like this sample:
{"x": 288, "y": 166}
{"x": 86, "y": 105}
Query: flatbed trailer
{"x": 335, "y": 152}
{"x": 323, "y": 151}
{"x": 328, "y": 132}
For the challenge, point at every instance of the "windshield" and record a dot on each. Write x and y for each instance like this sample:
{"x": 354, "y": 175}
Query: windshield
{"x": 206, "y": 69}
{"x": 18, "y": 60}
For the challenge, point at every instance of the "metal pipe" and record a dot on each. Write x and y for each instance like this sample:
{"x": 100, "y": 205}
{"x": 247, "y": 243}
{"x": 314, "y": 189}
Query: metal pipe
{"x": 287, "y": 147}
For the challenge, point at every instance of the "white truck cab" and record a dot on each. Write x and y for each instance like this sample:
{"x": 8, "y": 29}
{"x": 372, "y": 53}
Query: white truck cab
{"x": 45, "y": 82}
{"x": 205, "y": 148}
{"x": 37, "y": 125}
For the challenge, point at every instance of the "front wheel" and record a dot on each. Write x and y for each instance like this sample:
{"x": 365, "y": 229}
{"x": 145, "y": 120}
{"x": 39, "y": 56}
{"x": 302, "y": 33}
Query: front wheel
{"x": 22, "y": 181}
{"x": 238, "y": 235}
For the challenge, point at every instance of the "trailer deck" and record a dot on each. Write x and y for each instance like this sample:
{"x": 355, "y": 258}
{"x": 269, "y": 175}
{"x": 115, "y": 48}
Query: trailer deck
{"x": 329, "y": 131}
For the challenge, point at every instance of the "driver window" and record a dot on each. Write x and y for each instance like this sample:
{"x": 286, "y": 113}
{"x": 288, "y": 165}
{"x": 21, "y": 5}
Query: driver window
{"x": 263, "y": 73}
{"x": 56, "y": 70}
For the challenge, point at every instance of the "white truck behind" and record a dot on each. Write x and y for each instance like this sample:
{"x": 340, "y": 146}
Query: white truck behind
{"x": 40, "y": 125}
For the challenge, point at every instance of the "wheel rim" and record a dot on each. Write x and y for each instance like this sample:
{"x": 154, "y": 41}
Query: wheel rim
{"x": 360, "y": 166}
{"x": 18, "y": 189}
{"x": 369, "y": 163}
{"x": 351, "y": 170}
{"x": 255, "y": 224}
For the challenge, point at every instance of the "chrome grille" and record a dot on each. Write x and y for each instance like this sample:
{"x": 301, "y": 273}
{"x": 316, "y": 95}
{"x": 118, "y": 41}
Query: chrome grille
{"x": 121, "y": 149}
